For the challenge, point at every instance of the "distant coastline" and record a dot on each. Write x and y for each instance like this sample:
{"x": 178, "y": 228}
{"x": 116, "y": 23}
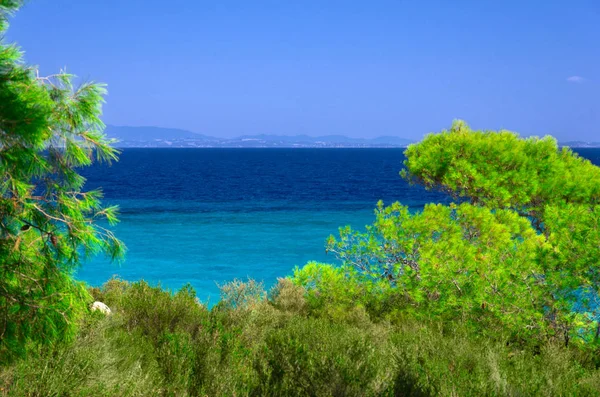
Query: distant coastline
{"x": 157, "y": 137}
{"x": 181, "y": 145}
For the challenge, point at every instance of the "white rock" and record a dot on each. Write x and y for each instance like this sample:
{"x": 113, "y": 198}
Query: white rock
{"x": 101, "y": 306}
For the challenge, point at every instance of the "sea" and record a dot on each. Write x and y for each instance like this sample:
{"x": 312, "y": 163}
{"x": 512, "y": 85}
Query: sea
{"x": 209, "y": 216}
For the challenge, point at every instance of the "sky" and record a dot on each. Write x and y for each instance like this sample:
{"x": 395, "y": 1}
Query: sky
{"x": 358, "y": 68}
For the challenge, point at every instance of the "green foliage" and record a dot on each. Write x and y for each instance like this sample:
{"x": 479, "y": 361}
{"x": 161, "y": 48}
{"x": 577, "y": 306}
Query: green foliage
{"x": 7, "y": 7}
{"x": 104, "y": 360}
{"x": 318, "y": 358}
{"x": 48, "y": 129}
{"x": 457, "y": 261}
{"x": 241, "y": 295}
{"x": 520, "y": 255}
{"x": 274, "y": 351}
{"x": 327, "y": 287}
{"x": 502, "y": 170}
{"x": 448, "y": 360}
{"x": 154, "y": 311}
{"x": 340, "y": 294}
{"x": 571, "y": 270}
{"x": 289, "y": 297}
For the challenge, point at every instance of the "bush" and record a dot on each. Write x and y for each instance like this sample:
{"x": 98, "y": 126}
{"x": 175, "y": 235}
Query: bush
{"x": 289, "y": 297}
{"x": 435, "y": 360}
{"x": 317, "y": 357}
{"x": 341, "y": 294}
{"x": 162, "y": 343}
{"x": 241, "y": 295}
{"x": 104, "y": 360}
{"x": 154, "y": 311}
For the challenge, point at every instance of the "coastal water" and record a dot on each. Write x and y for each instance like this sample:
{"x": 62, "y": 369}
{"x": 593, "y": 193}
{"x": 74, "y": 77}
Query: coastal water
{"x": 207, "y": 216}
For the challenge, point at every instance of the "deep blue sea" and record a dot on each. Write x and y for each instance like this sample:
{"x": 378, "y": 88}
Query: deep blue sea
{"x": 208, "y": 216}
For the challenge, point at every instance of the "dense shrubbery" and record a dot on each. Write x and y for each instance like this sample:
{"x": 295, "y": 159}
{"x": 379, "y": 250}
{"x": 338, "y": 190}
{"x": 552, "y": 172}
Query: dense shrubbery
{"x": 293, "y": 342}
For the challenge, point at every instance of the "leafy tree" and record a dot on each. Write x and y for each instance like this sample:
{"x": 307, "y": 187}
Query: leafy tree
{"x": 457, "y": 261}
{"x": 522, "y": 248}
{"x": 48, "y": 129}
{"x": 502, "y": 170}
{"x": 553, "y": 187}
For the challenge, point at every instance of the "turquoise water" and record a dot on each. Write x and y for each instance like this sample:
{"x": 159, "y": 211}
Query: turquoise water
{"x": 208, "y": 248}
{"x": 208, "y": 216}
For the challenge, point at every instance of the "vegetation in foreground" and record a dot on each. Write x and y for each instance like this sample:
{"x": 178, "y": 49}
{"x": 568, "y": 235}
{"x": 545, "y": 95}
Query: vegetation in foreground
{"x": 294, "y": 341}
{"x": 496, "y": 294}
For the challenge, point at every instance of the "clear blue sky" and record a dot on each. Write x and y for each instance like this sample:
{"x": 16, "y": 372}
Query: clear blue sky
{"x": 359, "y": 68}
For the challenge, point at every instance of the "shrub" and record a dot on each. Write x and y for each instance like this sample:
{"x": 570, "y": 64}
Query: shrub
{"x": 289, "y": 297}
{"x": 241, "y": 295}
{"x": 184, "y": 349}
{"x": 154, "y": 311}
{"x": 320, "y": 358}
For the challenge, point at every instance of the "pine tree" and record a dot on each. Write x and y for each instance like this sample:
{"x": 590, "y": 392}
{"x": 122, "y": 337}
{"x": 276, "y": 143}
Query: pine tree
{"x": 49, "y": 128}
{"x": 520, "y": 248}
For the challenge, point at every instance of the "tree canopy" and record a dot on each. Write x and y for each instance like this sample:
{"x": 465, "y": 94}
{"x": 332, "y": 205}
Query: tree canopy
{"x": 520, "y": 248}
{"x": 49, "y": 127}
{"x": 502, "y": 170}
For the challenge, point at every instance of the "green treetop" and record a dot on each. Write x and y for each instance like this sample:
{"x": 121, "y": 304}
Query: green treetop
{"x": 502, "y": 170}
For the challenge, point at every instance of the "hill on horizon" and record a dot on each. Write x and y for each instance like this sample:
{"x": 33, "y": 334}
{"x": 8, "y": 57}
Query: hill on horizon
{"x": 141, "y": 134}
{"x": 129, "y": 136}
{"x": 148, "y": 136}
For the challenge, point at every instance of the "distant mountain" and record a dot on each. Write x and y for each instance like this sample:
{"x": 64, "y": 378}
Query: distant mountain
{"x": 146, "y": 134}
{"x": 169, "y": 137}
{"x": 172, "y": 137}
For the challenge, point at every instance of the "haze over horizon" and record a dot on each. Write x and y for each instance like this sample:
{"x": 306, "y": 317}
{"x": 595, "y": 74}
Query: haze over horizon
{"x": 348, "y": 68}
